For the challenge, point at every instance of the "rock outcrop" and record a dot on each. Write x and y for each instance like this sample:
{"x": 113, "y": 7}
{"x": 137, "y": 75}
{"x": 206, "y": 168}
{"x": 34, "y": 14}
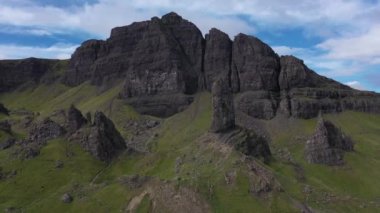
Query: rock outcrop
{"x": 75, "y": 119}
{"x": 256, "y": 64}
{"x": 162, "y": 62}
{"x": 44, "y": 131}
{"x": 101, "y": 139}
{"x": 217, "y": 59}
{"x": 222, "y": 106}
{"x": 3, "y": 109}
{"x": 328, "y": 144}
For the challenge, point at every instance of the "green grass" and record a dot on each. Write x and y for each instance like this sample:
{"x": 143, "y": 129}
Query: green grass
{"x": 38, "y": 185}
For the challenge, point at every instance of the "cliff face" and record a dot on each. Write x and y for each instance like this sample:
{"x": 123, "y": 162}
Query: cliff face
{"x": 165, "y": 60}
{"x": 16, "y": 72}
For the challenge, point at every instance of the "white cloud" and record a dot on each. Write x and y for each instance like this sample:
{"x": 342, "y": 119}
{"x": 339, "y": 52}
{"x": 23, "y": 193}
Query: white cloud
{"x": 363, "y": 47}
{"x": 58, "y": 51}
{"x": 356, "y": 85}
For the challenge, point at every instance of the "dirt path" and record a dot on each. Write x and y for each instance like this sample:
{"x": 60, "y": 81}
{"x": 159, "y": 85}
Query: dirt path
{"x": 135, "y": 202}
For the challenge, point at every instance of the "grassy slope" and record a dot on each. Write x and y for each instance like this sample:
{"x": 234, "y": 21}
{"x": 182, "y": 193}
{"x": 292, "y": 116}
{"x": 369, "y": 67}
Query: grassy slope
{"x": 38, "y": 185}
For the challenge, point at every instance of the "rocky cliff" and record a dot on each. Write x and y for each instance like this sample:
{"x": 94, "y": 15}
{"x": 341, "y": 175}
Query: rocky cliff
{"x": 164, "y": 61}
{"x": 17, "y": 72}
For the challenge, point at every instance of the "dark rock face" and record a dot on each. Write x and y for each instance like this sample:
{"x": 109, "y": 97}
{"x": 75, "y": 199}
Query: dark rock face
{"x": 255, "y": 63}
{"x": 258, "y": 104}
{"x": 3, "y": 109}
{"x": 223, "y": 107}
{"x": 102, "y": 139}
{"x": 75, "y": 119}
{"x": 82, "y": 60}
{"x": 158, "y": 56}
{"x": 295, "y": 74}
{"x": 17, "y": 72}
{"x": 217, "y": 59}
{"x": 327, "y": 145}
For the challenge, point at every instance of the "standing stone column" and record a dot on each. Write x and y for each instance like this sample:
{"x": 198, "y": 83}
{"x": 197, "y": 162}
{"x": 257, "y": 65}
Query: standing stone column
{"x": 223, "y": 107}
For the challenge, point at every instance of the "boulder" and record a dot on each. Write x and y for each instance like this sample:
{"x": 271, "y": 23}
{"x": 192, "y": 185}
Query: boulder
{"x": 102, "y": 139}
{"x": 253, "y": 145}
{"x": 217, "y": 58}
{"x": 255, "y": 63}
{"x": 328, "y": 144}
{"x": 67, "y": 198}
{"x": 75, "y": 119}
{"x": 223, "y": 117}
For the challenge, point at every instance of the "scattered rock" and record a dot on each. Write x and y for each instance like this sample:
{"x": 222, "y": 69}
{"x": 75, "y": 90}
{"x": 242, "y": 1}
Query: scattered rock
{"x": 45, "y": 130}
{"x": 7, "y": 143}
{"x": 223, "y": 118}
{"x": 67, "y": 198}
{"x": 328, "y": 144}
{"x": 6, "y": 126}
{"x": 59, "y": 164}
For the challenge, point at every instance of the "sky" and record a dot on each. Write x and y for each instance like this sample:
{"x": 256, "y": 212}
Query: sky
{"x": 336, "y": 38}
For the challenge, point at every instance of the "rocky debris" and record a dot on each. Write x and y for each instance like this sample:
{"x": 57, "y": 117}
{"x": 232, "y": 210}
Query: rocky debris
{"x": 75, "y": 119}
{"x": 7, "y": 143}
{"x": 6, "y": 126}
{"x": 133, "y": 181}
{"x": 101, "y": 139}
{"x": 255, "y": 63}
{"x": 59, "y": 164}
{"x": 45, "y": 130}
{"x": 223, "y": 118}
{"x": 140, "y": 133}
{"x": 262, "y": 181}
{"x": 17, "y": 72}
{"x": 39, "y": 134}
{"x": 28, "y": 149}
{"x": 249, "y": 143}
{"x": 217, "y": 58}
{"x": 3, "y": 109}
{"x": 328, "y": 144}
{"x": 67, "y": 198}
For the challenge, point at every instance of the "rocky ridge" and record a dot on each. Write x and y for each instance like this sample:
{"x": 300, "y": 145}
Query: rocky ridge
{"x": 164, "y": 61}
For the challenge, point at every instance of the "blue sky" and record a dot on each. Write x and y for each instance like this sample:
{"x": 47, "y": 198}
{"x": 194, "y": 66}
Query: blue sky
{"x": 339, "y": 39}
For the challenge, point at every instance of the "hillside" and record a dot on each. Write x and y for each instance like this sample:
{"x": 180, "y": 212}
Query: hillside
{"x": 168, "y": 91}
